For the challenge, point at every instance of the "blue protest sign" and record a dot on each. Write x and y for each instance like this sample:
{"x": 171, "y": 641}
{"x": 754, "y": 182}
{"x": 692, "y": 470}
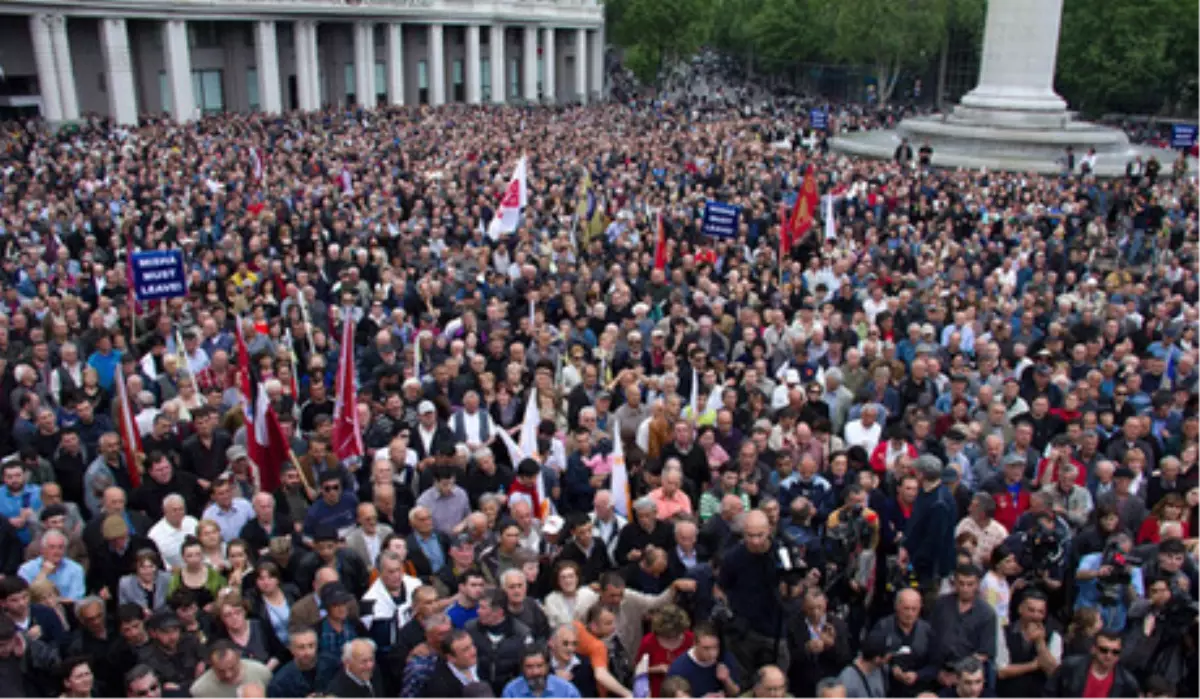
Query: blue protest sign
{"x": 721, "y": 220}
{"x": 1183, "y": 135}
{"x": 158, "y": 274}
{"x": 819, "y": 119}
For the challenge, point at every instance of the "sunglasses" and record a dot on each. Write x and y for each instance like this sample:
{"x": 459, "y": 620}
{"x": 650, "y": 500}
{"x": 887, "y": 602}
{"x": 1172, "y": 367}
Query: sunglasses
{"x": 1108, "y": 651}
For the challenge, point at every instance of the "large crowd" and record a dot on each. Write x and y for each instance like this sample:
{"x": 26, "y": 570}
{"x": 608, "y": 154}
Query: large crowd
{"x": 943, "y": 444}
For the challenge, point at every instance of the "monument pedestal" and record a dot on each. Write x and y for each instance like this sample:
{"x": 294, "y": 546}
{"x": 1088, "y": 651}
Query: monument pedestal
{"x": 1013, "y": 120}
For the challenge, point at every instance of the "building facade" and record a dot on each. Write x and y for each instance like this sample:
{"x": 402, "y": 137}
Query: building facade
{"x": 122, "y": 58}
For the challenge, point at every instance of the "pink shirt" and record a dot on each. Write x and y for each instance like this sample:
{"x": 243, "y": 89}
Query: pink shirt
{"x": 668, "y": 507}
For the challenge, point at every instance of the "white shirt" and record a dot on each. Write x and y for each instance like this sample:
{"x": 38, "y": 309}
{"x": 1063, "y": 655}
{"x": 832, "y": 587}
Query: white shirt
{"x": 473, "y": 425}
{"x": 145, "y": 420}
{"x": 865, "y": 437}
{"x": 169, "y": 539}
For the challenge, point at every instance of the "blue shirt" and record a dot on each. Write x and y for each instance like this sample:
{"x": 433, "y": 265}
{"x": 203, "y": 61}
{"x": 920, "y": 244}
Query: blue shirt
{"x": 339, "y": 516}
{"x": 11, "y": 505}
{"x": 432, "y": 550}
{"x": 68, "y": 578}
{"x": 106, "y": 367}
{"x": 460, "y": 616}
{"x": 555, "y": 687}
{"x": 1088, "y": 593}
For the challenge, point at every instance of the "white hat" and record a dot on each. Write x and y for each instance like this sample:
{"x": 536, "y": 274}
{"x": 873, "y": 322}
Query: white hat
{"x": 792, "y": 377}
{"x": 553, "y": 525}
{"x": 425, "y": 407}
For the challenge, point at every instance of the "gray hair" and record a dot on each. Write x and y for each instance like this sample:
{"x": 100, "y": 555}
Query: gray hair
{"x": 645, "y": 503}
{"x": 928, "y": 467}
{"x": 487, "y": 498}
{"x": 511, "y": 572}
{"x": 389, "y": 556}
{"x": 482, "y": 453}
{"x": 435, "y": 620}
{"x": 51, "y": 533}
{"x": 348, "y": 649}
{"x": 829, "y": 686}
{"x": 174, "y": 498}
{"x": 968, "y": 666}
{"x": 86, "y": 602}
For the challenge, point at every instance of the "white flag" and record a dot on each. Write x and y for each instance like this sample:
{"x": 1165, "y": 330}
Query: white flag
{"x": 516, "y": 196}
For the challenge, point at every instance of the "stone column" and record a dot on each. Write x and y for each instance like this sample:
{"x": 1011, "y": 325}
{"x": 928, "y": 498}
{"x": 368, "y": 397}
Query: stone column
{"x": 67, "y": 96}
{"x": 47, "y": 73}
{"x": 118, "y": 71}
{"x": 496, "y": 46}
{"x": 178, "y": 62}
{"x": 548, "y": 60}
{"x": 395, "y": 63}
{"x": 1020, "y": 50}
{"x": 596, "y": 62}
{"x": 364, "y": 64}
{"x": 474, "y": 88}
{"x": 529, "y": 71}
{"x": 581, "y": 62}
{"x": 299, "y": 41}
{"x": 266, "y": 58}
{"x": 437, "y": 65}
{"x": 308, "y": 66}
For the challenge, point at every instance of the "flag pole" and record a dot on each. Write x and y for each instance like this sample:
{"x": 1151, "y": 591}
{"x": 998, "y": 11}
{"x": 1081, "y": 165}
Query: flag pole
{"x": 308, "y": 332}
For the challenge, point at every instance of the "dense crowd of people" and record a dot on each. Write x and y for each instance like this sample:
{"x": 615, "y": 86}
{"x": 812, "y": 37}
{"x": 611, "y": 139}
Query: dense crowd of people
{"x": 943, "y": 444}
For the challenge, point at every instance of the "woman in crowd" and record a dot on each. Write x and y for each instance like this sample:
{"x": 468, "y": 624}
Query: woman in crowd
{"x": 147, "y": 585}
{"x": 197, "y": 576}
{"x": 570, "y": 597}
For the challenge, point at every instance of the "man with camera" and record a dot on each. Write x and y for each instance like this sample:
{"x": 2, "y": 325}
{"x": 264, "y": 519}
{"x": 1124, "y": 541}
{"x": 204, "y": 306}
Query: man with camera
{"x": 1110, "y": 581}
{"x": 754, "y": 578}
{"x": 851, "y": 542}
{"x": 1159, "y": 636}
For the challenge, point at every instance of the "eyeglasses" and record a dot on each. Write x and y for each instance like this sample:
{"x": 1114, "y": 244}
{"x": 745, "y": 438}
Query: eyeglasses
{"x": 1102, "y": 650}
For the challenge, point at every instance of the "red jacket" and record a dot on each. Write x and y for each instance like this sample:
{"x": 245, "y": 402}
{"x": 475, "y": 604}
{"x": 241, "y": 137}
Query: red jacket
{"x": 879, "y": 456}
{"x": 1080, "y": 472}
{"x": 1006, "y": 511}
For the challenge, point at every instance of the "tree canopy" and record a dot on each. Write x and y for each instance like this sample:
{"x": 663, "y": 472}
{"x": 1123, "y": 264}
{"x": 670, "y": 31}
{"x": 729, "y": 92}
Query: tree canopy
{"x": 1134, "y": 56}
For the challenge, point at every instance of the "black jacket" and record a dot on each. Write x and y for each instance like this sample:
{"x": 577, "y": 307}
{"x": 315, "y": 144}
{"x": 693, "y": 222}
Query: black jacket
{"x": 807, "y": 669}
{"x": 148, "y": 497}
{"x": 442, "y": 683}
{"x": 419, "y": 560}
{"x": 499, "y": 662}
{"x": 583, "y": 676}
{"x": 343, "y": 686}
{"x": 1071, "y": 678}
{"x": 632, "y": 537}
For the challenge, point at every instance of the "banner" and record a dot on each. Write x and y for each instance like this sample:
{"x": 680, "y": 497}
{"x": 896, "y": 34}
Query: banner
{"x": 1183, "y": 135}
{"x": 721, "y": 220}
{"x": 818, "y": 119}
{"x": 158, "y": 275}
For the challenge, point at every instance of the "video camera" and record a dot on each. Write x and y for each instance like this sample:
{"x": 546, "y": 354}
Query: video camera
{"x": 844, "y": 539}
{"x": 1040, "y": 553}
{"x": 1112, "y": 586}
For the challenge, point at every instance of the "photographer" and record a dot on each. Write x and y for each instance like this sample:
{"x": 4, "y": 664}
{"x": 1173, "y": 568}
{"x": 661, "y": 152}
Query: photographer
{"x": 1109, "y": 581}
{"x": 851, "y": 542}
{"x": 751, "y": 577}
{"x": 1041, "y": 551}
{"x": 822, "y": 645}
{"x": 1160, "y": 635}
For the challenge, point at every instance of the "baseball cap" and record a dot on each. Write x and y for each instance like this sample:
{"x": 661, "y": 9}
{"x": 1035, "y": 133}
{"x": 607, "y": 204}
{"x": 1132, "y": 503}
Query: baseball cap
{"x": 236, "y": 452}
{"x": 162, "y": 620}
{"x": 425, "y": 407}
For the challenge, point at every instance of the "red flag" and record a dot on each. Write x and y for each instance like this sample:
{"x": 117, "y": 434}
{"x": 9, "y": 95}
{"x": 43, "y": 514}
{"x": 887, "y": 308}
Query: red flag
{"x": 347, "y": 437}
{"x": 131, "y": 439}
{"x": 660, "y": 246}
{"x": 785, "y": 234}
{"x": 266, "y": 443}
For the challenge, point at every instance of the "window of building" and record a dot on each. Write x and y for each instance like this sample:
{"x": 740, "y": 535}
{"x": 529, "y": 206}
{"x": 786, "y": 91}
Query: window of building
{"x": 208, "y": 90}
{"x": 422, "y": 82}
{"x": 203, "y": 35}
{"x": 252, "y": 89}
{"x": 460, "y": 88}
{"x": 514, "y": 78}
{"x": 541, "y": 63}
{"x": 485, "y": 79}
{"x": 350, "y": 83}
{"x": 381, "y": 83}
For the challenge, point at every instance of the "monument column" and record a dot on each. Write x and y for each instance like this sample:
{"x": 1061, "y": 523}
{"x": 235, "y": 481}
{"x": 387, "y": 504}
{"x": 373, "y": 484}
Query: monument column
{"x": 496, "y": 35}
{"x": 437, "y": 64}
{"x": 1020, "y": 49}
{"x": 474, "y": 79}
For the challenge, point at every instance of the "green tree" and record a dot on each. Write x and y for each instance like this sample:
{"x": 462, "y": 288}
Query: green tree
{"x": 888, "y": 35}
{"x": 657, "y": 32}
{"x": 1133, "y": 56}
{"x": 790, "y": 31}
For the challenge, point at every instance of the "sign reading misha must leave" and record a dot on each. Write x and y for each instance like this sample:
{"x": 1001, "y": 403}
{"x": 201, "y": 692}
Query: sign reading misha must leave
{"x": 721, "y": 220}
{"x": 158, "y": 274}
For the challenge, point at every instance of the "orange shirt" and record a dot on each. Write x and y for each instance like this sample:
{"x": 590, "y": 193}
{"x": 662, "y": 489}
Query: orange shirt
{"x": 594, "y": 650}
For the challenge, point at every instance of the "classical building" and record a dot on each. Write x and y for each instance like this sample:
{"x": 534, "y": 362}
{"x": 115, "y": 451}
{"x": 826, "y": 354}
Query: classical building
{"x": 123, "y": 58}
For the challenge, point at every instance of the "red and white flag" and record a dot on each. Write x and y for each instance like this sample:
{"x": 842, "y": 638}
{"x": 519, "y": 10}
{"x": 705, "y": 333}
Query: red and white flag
{"x": 516, "y": 196}
{"x": 257, "y": 168}
{"x": 131, "y": 439}
{"x": 266, "y": 444}
{"x": 660, "y": 245}
{"x": 347, "y": 437}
